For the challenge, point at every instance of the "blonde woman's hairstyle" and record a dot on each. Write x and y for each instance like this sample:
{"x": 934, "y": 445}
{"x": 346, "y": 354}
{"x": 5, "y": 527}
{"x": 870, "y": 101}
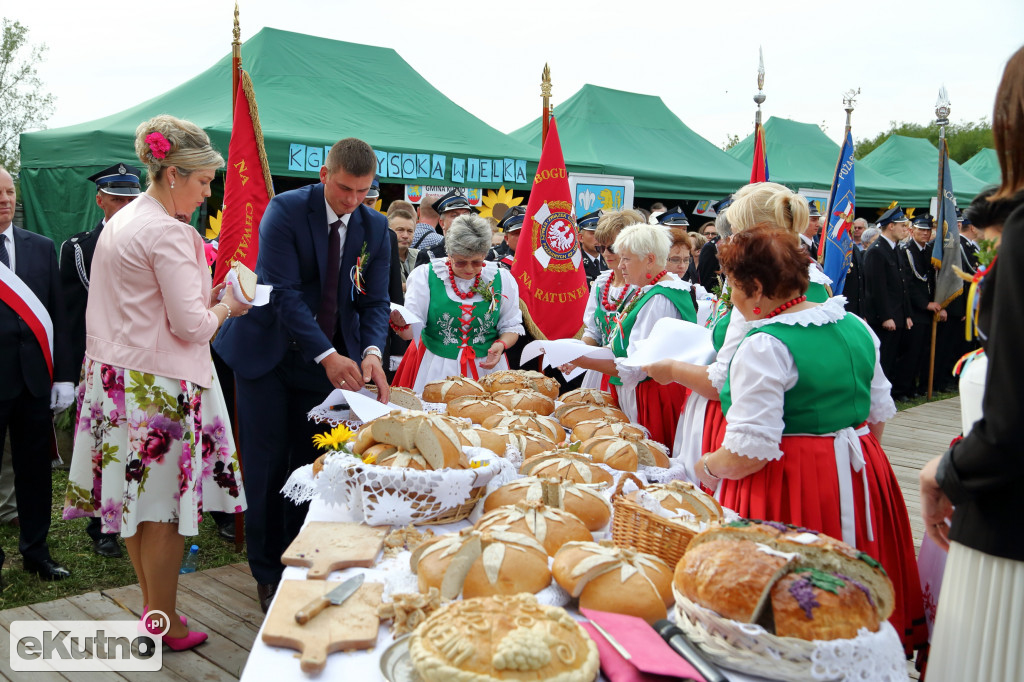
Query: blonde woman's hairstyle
{"x": 611, "y": 223}
{"x": 190, "y": 149}
{"x": 771, "y": 203}
{"x": 642, "y": 239}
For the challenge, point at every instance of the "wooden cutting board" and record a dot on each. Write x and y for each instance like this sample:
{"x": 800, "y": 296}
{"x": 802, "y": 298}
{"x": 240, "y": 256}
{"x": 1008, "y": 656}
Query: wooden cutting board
{"x": 324, "y": 547}
{"x": 351, "y": 625}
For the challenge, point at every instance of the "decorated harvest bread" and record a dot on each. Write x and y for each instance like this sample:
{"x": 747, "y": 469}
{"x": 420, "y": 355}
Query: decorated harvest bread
{"x": 610, "y": 578}
{"x": 404, "y": 397}
{"x": 550, "y": 526}
{"x": 445, "y": 390}
{"x": 246, "y": 280}
{"x": 684, "y": 496}
{"x": 318, "y": 464}
{"x": 479, "y": 564}
{"x": 519, "y": 379}
{"x": 793, "y": 582}
{"x": 363, "y": 438}
{"x": 431, "y": 436}
{"x": 499, "y": 441}
{"x": 567, "y": 465}
{"x": 583, "y": 502}
{"x": 534, "y": 401}
{"x": 591, "y": 428}
{"x": 531, "y": 421}
{"x": 587, "y": 396}
{"x": 475, "y": 408}
{"x": 570, "y": 415}
{"x": 502, "y": 638}
{"x": 626, "y": 452}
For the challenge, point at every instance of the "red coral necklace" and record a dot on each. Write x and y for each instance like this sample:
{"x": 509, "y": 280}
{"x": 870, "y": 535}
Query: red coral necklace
{"x": 455, "y": 288}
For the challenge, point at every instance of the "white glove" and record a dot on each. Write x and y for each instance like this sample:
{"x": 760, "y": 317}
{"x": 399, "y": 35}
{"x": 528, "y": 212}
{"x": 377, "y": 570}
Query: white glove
{"x": 62, "y": 395}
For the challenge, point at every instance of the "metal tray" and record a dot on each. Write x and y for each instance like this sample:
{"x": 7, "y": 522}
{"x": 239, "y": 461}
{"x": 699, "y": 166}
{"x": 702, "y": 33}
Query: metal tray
{"x": 396, "y": 664}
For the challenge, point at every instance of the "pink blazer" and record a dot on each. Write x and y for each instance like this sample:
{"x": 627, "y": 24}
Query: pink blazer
{"x": 149, "y": 296}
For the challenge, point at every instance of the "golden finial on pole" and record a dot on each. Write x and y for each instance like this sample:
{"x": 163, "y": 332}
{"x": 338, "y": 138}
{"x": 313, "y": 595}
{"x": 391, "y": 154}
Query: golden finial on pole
{"x": 759, "y": 98}
{"x": 545, "y": 94}
{"x": 236, "y": 57}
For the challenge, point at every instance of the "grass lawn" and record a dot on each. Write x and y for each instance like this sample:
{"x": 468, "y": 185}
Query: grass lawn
{"x": 71, "y": 546}
{"x": 914, "y": 402}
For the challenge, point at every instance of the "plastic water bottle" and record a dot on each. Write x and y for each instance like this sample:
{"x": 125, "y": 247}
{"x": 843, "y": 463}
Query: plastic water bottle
{"x": 191, "y": 562}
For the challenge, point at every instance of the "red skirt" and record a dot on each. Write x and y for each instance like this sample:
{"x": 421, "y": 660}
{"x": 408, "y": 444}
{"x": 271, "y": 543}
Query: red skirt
{"x": 409, "y": 367}
{"x": 658, "y": 408}
{"x": 802, "y": 488}
{"x": 714, "y": 427}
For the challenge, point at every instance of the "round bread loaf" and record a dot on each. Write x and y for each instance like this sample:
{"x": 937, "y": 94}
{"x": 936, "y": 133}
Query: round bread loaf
{"x": 626, "y": 452}
{"x": 433, "y": 437}
{"x": 318, "y": 464}
{"x": 475, "y": 409}
{"x": 363, "y": 438}
{"x": 570, "y": 415}
{"x": 531, "y": 421}
{"x": 479, "y": 564}
{"x": 587, "y": 396}
{"x": 615, "y": 579}
{"x": 550, "y": 526}
{"x": 583, "y": 502}
{"x": 533, "y": 401}
{"x": 498, "y": 638}
{"x": 519, "y": 379}
{"x": 565, "y": 465}
{"x": 684, "y": 496}
{"x": 591, "y": 428}
{"x": 741, "y": 570}
{"x": 450, "y": 388}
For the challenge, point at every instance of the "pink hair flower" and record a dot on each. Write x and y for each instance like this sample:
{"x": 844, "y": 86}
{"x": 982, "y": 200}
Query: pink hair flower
{"x": 158, "y": 145}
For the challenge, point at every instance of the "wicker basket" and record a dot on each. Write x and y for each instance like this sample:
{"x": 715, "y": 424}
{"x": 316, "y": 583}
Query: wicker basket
{"x": 636, "y": 527}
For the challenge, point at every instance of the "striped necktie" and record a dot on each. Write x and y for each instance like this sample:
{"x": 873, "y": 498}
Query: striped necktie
{"x": 5, "y": 257}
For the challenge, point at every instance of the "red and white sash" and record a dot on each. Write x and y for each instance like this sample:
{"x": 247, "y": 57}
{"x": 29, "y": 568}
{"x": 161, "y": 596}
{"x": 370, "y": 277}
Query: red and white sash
{"x": 29, "y": 308}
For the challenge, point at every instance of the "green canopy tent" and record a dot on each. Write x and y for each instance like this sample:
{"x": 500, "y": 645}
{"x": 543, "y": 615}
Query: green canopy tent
{"x": 914, "y": 162}
{"x": 624, "y": 133}
{"x": 985, "y": 166}
{"x": 311, "y": 92}
{"x": 801, "y": 155}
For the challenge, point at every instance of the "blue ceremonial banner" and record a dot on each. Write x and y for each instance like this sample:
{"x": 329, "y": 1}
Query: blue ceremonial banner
{"x": 838, "y": 243}
{"x": 946, "y": 251}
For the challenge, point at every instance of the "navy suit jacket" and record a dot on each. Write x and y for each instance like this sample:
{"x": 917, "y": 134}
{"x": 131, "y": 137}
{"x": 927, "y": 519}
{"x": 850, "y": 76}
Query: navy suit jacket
{"x": 22, "y": 363}
{"x": 293, "y": 259}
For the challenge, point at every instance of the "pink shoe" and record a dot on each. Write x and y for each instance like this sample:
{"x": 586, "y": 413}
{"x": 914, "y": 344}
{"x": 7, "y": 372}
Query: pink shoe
{"x": 183, "y": 619}
{"x": 191, "y": 640}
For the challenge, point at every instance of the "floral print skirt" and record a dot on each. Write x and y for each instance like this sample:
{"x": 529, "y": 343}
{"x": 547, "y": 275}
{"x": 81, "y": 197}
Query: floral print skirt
{"x": 150, "y": 448}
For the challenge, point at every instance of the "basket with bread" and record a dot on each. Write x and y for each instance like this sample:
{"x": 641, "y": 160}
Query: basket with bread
{"x": 766, "y": 598}
{"x": 408, "y": 467}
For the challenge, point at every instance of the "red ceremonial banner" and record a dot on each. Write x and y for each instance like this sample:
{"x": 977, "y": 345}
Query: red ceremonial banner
{"x": 759, "y": 171}
{"x": 247, "y": 186}
{"x": 548, "y": 266}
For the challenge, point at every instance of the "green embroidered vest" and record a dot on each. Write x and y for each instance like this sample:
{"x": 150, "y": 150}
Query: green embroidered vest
{"x": 835, "y": 363}
{"x": 720, "y": 327}
{"x": 445, "y": 333}
{"x": 620, "y": 332}
{"x": 817, "y": 293}
{"x": 606, "y": 320}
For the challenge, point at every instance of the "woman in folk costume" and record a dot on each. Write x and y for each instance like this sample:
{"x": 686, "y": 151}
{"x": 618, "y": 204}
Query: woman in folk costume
{"x": 702, "y": 426}
{"x": 805, "y": 402}
{"x": 609, "y": 291}
{"x": 643, "y": 254}
{"x": 471, "y": 309}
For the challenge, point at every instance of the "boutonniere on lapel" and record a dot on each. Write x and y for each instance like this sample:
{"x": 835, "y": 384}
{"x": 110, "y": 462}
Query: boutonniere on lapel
{"x": 486, "y": 292}
{"x": 358, "y": 279}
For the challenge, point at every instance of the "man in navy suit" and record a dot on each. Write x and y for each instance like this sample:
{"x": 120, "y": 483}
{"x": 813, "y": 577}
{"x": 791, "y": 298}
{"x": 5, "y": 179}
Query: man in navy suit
{"x": 28, "y": 390}
{"x": 320, "y": 331}
{"x": 887, "y": 298}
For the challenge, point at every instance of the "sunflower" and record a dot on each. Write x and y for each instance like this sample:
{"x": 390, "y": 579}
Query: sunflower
{"x": 496, "y": 203}
{"x": 334, "y": 439}
{"x": 213, "y": 231}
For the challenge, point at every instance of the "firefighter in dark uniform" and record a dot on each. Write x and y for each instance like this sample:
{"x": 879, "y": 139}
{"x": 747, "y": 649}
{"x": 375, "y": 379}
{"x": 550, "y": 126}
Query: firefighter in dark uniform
{"x": 449, "y": 207}
{"x": 116, "y": 187}
{"x": 504, "y": 254}
{"x": 911, "y": 377}
{"x": 593, "y": 263}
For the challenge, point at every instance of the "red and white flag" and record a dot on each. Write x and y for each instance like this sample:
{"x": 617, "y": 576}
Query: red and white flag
{"x": 247, "y": 185}
{"x": 548, "y": 266}
{"x": 26, "y": 305}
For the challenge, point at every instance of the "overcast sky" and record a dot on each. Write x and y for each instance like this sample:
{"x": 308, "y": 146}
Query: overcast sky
{"x": 699, "y": 57}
